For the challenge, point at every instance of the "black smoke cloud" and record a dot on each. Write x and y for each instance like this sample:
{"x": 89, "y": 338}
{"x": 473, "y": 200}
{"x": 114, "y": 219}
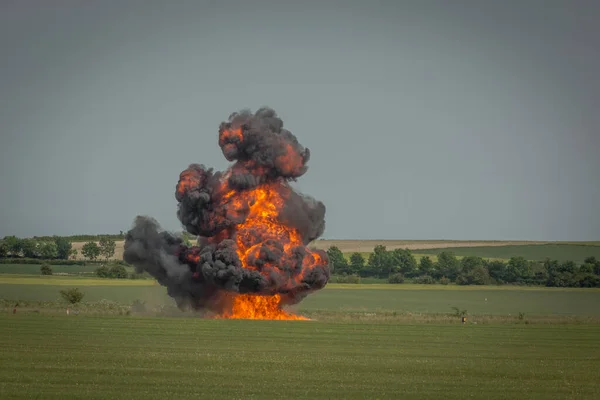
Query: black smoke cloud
{"x": 199, "y": 276}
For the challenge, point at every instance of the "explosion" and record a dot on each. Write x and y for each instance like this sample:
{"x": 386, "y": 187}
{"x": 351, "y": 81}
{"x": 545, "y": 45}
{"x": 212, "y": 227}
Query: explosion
{"x": 253, "y": 229}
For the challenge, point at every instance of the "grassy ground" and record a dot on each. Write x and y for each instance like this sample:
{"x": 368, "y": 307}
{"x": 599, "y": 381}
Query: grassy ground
{"x": 57, "y": 269}
{"x": 561, "y": 252}
{"x": 339, "y": 298}
{"x": 158, "y": 358}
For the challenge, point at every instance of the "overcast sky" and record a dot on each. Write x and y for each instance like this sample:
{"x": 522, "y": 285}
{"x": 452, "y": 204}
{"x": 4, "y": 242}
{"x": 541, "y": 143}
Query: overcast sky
{"x": 425, "y": 119}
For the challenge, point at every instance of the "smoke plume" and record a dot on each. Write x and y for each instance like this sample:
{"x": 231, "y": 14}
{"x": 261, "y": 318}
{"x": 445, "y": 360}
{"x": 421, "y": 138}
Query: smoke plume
{"x": 253, "y": 228}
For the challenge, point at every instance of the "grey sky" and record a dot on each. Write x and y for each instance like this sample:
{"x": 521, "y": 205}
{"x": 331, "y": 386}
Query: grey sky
{"x": 425, "y": 119}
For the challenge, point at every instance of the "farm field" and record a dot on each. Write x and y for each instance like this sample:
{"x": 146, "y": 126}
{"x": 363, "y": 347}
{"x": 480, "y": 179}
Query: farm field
{"x": 338, "y": 299}
{"x": 56, "y": 269}
{"x": 58, "y": 357}
{"x": 560, "y": 252}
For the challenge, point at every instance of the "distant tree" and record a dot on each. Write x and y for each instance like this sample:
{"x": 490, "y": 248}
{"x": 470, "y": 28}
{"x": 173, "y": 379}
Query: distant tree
{"x": 568, "y": 267}
{"x": 497, "y": 270}
{"x": 469, "y": 263}
{"x": 337, "y": 261}
{"x": 45, "y": 269}
{"x": 63, "y": 246}
{"x": 588, "y": 280}
{"x": 539, "y": 274}
{"x": 480, "y": 276}
{"x": 3, "y": 249}
{"x": 30, "y": 248}
{"x": 14, "y": 245}
{"x": 560, "y": 274}
{"x": 357, "y": 263}
{"x": 447, "y": 265}
{"x": 48, "y": 250}
{"x": 586, "y": 268}
{"x": 72, "y": 296}
{"x": 473, "y": 271}
{"x": 426, "y": 266}
{"x": 595, "y": 263}
{"x": 90, "y": 250}
{"x": 404, "y": 261}
{"x": 380, "y": 262}
{"x": 517, "y": 269}
{"x": 73, "y": 254}
{"x": 107, "y": 247}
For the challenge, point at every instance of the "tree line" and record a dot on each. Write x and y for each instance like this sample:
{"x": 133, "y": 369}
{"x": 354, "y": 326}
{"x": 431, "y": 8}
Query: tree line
{"x": 55, "y": 248}
{"x": 400, "y": 265}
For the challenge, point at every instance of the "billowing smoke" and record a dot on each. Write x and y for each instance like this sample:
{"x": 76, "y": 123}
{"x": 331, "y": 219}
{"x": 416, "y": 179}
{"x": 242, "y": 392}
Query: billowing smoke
{"x": 252, "y": 227}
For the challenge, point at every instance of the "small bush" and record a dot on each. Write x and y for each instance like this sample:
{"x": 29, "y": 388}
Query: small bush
{"x": 521, "y": 316}
{"x": 396, "y": 278}
{"x": 72, "y": 296}
{"x": 102, "y": 272}
{"x": 444, "y": 280}
{"x": 118, "y": 272}
{"x": 462, "y": 280}
{"x": 425, "y": 280}
{"x": 45, "y": 269}
{"x": 458, "y": 312}
{"x": 133, "y": 275}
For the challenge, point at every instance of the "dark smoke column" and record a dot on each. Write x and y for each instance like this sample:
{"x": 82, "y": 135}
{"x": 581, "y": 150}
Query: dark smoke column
{"x": 253, "y": 227}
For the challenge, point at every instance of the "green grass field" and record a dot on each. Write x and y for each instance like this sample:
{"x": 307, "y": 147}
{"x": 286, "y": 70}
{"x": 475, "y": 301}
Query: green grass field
{"x": 63, "y": 357}
{"x": 536, "y": 252}
{"x": 338, "y": 298}
{"x": 34, "y": 269}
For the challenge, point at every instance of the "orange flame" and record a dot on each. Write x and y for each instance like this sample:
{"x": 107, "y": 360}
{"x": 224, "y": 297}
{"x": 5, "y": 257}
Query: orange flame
{"x": 247, "y": 306}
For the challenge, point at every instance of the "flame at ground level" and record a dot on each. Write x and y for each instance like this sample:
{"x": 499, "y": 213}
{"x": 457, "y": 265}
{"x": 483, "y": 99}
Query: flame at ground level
{"x": 248, "y": 306}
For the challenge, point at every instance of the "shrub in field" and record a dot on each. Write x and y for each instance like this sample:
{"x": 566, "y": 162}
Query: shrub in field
{"x": 45, "y": 269}
{"x": 425, "y": 280}
{"x": 118, "y": 272}
{"x": 72, "y": 296}
{"x": 396, "y": 278}
{"x": 458, "y": 312}
{"x": 102, "y": 272}
{"x": 444, "y": 280}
